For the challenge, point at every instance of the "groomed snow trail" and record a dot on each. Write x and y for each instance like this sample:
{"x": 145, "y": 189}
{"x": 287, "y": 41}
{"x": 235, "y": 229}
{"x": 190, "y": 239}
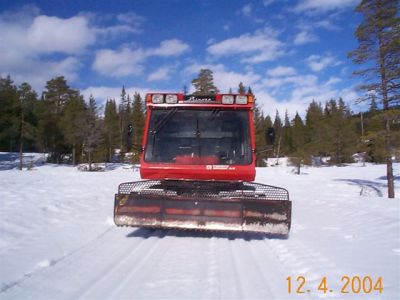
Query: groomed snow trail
{"x": 58, "y": 241}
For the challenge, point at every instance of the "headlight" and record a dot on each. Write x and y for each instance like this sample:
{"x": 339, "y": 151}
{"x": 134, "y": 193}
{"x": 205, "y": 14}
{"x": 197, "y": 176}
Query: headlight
{"x": 171, "y": 99}
{"x": 227, "y": 99}
{"x": 241, "y": 99}
{"x": 157, "y": 98}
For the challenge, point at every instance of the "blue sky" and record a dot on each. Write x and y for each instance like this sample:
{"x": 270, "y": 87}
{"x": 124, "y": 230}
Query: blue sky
{"x": 289, "y": 52}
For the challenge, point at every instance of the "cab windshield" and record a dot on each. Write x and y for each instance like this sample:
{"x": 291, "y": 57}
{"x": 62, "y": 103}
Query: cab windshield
{"x": 194, "y": 136}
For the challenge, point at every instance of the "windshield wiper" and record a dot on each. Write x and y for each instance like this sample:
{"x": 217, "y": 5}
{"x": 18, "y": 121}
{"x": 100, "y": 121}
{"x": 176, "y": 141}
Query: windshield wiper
{"x": 163, "y": 121}
{"x": 214, "y": 113}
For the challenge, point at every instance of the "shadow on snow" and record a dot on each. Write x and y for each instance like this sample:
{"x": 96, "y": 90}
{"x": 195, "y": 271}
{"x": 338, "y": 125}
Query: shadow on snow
{"x": 366, "y": 185}
{"x": 161, "y": 233}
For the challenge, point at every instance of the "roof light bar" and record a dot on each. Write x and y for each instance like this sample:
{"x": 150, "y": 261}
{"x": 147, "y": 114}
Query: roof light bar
{"x": 227, "y": 99}
{"x": 171, "y": 98}
{"x": 241, "y": 99}
{"x": 157, "y": 98}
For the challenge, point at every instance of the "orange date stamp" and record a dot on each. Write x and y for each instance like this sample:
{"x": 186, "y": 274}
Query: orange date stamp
{"x": 348, "y": 285}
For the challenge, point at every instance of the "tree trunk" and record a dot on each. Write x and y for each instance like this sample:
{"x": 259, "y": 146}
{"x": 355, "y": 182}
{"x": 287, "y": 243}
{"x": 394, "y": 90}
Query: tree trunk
{"x": 278, "y": 151}
{"x": 389, "y": 163}
{"x": 21, "y": 139}
{"x": 90, "y": 160}
{"x": 74, "y": 155}
{"x": 385, "y": 100}
{"x": 21, "y": 155}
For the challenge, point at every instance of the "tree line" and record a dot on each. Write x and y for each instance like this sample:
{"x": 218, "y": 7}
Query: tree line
{"x": 73, "y": 130}
{"x": 61, "y": 123}
{"x": 328, "y": 130}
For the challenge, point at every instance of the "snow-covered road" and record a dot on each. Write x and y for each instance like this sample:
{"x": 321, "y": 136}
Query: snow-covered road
{"x": 57, "y": 241}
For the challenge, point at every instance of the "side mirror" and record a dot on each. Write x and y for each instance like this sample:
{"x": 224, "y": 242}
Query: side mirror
{"x": 270, "y": 136}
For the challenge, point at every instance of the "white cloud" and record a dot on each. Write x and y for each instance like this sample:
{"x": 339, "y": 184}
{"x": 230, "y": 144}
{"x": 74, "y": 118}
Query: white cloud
{"x": 304, "y": 37}
{"x": 305, "y": 88}
{"x": 284, "y": 89}
{"x": 173, "y": 47}
{"x": 318, "y": 63}
{"x": 37, "y": 73}
{"x": 255, "y": 48}
{"x": 246, "y": 10}
{"x": 117, "y": 63}
{"x": 268, "y": 2}
{"x": 53, "y": 34}
{"x": 44, "y": 35}
{"x": 333, "y": 80}
{"x": 321, "y": 6}
{"x": 28, "y": 39}
{"x": 160, "y": 74}
{"x": 131, "y": 18}
{"x": 126, "y": 61}
{"x": 281, "y": 71}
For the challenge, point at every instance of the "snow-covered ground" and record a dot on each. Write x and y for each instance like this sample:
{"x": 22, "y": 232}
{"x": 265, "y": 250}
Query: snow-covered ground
{"x": 58, "y": 241}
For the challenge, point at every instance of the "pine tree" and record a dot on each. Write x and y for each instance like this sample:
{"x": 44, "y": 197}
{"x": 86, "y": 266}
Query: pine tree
{"x": 379, "y": 47}
{"x": 299, "y": 154}
{"x": 137, "y": 118}
{"x": 27, "y": 101}
{"x": 9, "y": 122}
{"x": 204, "y": 83}
{"x": 241, "y": 88}
{"x": 111, "y": 127}
{"x": 287, "y": 143}
{"x": 124, "y": 111}
{"x": 93, "y": 132}
{"x": 50, "y": 132}
{"x": 314, "y": 130}
{"x": 74, "y": 125}
{"x": 259, "y": 128}
{"x": 278, "y": 126}
{"x": 339, "y": 131}
{"x": 373, "y": 107}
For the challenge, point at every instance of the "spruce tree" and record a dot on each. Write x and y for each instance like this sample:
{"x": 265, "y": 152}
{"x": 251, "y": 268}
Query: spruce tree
{"x": 341, "y": 138}
{"x": 314, "y": 131}
{"x": 9, "y": 121}
{"x": 299, "y": 155}
{"x": 93, "y": 131}
{"x": 111, "y": 127}
{"x": 56, "y": 95}
{"x": 74, "y": 125}
{"x": 278, "y": 126}
{"x": 27, "y": 129}
{"x": 241, "y": 88}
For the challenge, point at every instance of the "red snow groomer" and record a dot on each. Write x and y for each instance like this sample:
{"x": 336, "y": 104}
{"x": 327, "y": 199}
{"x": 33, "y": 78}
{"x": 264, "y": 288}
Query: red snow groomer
{"x": 198, "y": 159}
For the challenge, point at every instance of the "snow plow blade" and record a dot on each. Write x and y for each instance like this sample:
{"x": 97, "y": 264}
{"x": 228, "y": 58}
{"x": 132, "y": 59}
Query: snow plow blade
{"x": 204, "y": 205}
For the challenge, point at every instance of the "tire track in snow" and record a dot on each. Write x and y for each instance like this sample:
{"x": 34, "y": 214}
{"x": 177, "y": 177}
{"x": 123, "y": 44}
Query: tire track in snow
{"x": 213, "y": 282}
{"x": 114, "y": 265}
{"x": 53, "y": 262}
{"x": 267, "y": 260}
{"x": 137, "y": 259}
{"x": 302, "y": 259}
{"x": 238, "y": 283}
{"x": 76, "y": 270}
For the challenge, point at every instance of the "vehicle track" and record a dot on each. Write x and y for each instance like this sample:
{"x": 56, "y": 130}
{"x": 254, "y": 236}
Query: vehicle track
{"x": 147, "y": 263}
